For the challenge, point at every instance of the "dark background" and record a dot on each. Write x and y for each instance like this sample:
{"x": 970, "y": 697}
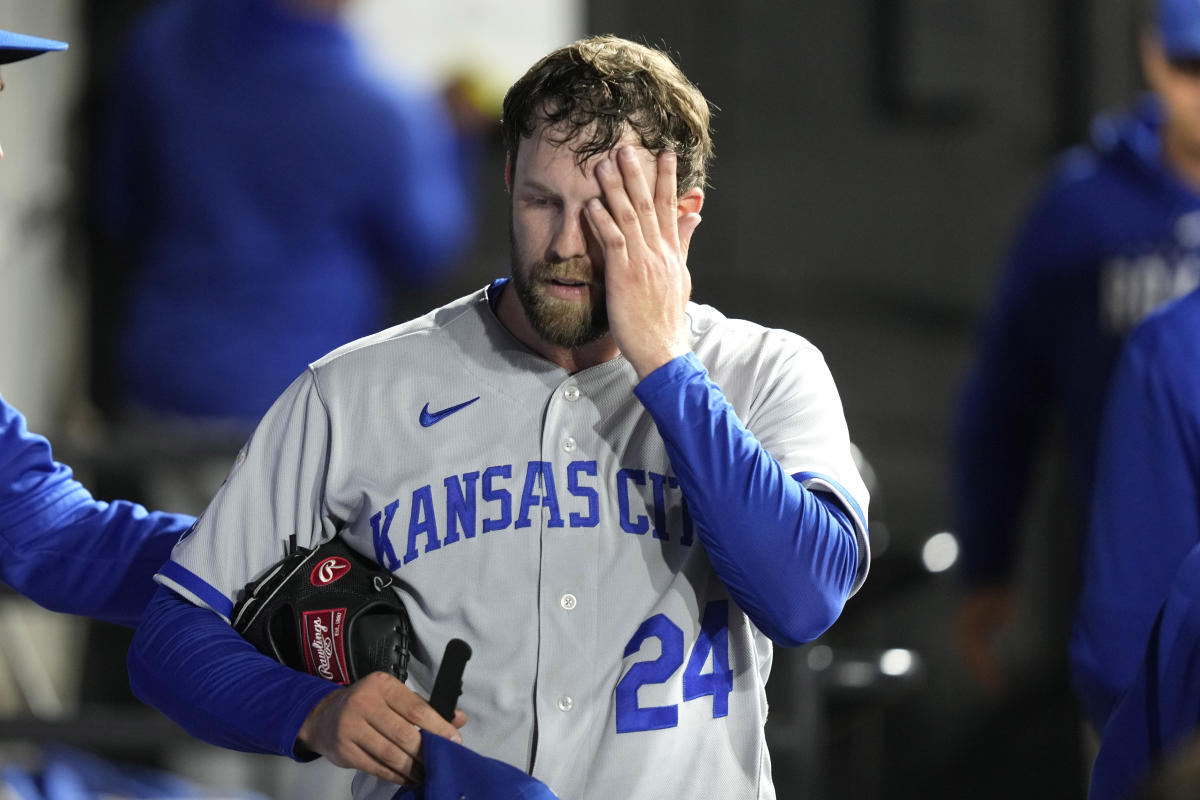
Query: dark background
{"x": 873, "y": 157}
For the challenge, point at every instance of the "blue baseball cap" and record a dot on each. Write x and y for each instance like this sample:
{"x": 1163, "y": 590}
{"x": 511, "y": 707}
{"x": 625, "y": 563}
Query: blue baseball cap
{"x": 18, "y": 46}
{"x": 454, "y": 772}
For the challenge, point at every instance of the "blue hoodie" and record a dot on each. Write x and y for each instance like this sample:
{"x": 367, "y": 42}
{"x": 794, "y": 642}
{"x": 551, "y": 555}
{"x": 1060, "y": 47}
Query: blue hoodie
{"x": 1146, "y": 509}
{"x": 274, "y": 193}
{"x": 1112, "y": 235}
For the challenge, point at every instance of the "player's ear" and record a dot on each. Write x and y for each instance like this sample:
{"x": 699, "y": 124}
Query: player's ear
{"x": 689, "y": 217}
{"x": 690, "y": 202}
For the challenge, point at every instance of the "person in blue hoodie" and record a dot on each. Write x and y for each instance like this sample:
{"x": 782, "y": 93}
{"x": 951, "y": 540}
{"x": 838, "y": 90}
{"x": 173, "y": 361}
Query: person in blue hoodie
{"x": 1137, "y": 636}
{"x": 1114, "y": 232}
{"x": 270, "y": 197}
{"x": 59, "y": 546}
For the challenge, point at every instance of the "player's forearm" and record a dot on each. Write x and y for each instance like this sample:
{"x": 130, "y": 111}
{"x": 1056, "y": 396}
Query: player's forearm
{"x": 54, "y": 534}
{"x": 126, "y": 546}
{"x": 788, "y": 556}
{"x": 107, "y": 552}
{"x": 188, "y": 663}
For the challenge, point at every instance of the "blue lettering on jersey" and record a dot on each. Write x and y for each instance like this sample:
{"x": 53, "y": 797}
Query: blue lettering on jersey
{"x": 460, "y": 506}
{"x": 712, "y": 644}
{"x": 381, "y": 523}
{"x": 660, "y": 503}
{"x": 688, "y": 530}
{"x": 624, "y": 477}
{"x": 421, "y": 522}
{"x": 630, "y": 716}
{"x": 647, "y": 501}
{"x": 539, "y": 474}
{"x": 501, "y": 496}
{"x": 592, "y": 517}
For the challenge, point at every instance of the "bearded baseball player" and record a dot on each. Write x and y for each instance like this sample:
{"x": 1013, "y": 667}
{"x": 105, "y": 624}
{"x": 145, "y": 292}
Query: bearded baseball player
{"x": 619, "y": 498}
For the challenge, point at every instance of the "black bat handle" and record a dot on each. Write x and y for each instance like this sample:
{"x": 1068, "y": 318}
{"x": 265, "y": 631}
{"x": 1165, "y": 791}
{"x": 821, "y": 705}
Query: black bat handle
{"x": 447, "y": 686}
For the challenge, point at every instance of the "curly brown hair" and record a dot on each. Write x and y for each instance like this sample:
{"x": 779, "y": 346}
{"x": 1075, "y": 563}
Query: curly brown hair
{"x": 590, "y": 92}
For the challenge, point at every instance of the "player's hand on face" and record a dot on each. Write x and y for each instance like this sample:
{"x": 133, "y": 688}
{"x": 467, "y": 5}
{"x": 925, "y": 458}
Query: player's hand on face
{"x": 645, "y": 244}
{"x": 374, "y": 725}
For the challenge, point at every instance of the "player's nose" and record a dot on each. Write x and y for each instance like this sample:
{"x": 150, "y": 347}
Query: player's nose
{"x": 569, "y": 240}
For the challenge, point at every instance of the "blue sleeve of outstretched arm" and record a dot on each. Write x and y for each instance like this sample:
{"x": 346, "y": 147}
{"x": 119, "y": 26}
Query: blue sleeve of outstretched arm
{"x": 192, "y": 666}
{"x": 788, "y": 555}
{"x": 64, "y": 549}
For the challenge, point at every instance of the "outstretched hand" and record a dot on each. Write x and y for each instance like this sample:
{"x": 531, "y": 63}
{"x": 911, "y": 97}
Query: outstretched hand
{"x": 374, "y": 725}
{"x": 984, "y": 614}
{"x": 645, "y": 242}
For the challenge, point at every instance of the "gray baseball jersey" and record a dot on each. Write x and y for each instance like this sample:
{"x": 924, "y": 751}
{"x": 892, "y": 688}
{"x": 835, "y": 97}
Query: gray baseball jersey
{"x": 534, "y": 513}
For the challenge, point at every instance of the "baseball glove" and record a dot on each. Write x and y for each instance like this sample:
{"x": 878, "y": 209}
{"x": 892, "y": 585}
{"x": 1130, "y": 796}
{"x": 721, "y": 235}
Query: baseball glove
{"x": 329, "y": 612}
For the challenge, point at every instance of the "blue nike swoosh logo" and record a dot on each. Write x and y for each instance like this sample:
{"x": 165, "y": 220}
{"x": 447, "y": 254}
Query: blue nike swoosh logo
{"x": 430, "y": 418}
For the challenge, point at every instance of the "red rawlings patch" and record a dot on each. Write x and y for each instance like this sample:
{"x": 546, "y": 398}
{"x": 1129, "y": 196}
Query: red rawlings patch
{"x": 328, "y": 571}
{"x": 325, "y": 647}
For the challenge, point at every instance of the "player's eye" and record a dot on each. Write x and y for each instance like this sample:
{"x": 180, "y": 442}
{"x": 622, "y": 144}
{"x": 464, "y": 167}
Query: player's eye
{"x": 541, "y": 201}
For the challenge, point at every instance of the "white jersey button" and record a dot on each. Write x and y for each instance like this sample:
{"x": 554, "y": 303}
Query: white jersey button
{"x": 571, "y": 393}
{"x": 568, "y": 444}
{"x": 568, "y": 601}
{"x": 565, "y": 703}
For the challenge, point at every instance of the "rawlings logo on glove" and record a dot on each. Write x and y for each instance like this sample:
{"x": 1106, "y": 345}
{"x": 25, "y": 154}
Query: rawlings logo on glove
{"x": 329, "y": 612}
{"x": 329, "y": 571}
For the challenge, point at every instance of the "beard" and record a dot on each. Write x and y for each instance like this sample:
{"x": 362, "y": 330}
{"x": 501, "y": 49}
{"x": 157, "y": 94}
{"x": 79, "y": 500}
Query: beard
{"x": 563, "y": 323}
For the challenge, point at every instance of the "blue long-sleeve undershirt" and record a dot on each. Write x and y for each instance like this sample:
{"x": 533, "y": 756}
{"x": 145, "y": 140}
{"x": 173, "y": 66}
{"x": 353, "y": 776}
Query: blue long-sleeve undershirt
{"x": 788, "y": 555}
{"x": 190, "y": 664}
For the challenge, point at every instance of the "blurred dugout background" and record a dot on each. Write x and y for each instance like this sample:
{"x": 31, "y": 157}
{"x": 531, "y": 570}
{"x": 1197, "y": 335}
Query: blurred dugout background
{"x": 873, "y": 157}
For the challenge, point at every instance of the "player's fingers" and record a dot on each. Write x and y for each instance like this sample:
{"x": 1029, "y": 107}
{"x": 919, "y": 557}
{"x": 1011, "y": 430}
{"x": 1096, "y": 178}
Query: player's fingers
{"x": 638, "y": 184}
{"x": 619, "y": 204}
{"x": 666, "y": 197}
{"x": 379, "y": 757}
{"x": 407, "y": 705}
{"x": 367, "y": 714}
{"x": 391, "y": 735}
{"x": 350, "y": 740}
{"x": 607, "y": 232}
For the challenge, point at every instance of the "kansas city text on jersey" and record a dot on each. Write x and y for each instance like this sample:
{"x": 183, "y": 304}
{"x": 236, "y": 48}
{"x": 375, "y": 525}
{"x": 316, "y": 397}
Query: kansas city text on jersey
{"x": 507, "y": 495}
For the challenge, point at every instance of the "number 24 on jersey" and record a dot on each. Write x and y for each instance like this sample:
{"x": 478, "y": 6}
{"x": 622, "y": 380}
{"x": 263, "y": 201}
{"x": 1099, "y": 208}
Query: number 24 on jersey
{"x": 717, "y": 683}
